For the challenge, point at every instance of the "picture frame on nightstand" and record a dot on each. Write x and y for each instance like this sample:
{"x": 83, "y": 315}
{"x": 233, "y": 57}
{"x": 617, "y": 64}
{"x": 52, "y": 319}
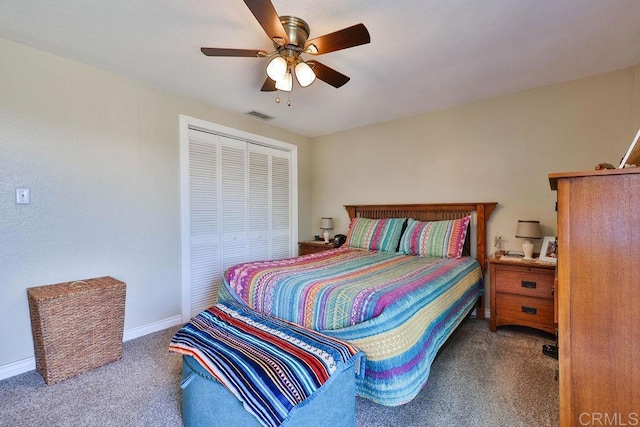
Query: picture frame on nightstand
{"x": 549, "y": 249}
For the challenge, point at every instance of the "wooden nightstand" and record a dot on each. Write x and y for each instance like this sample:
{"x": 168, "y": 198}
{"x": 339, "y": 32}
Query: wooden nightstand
{"x": 313, "y": 246}
{"x": 522, "y": 293}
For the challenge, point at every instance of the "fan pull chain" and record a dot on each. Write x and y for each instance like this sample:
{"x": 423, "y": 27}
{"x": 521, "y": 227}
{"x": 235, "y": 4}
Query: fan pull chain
{"x": 288, "y": 100}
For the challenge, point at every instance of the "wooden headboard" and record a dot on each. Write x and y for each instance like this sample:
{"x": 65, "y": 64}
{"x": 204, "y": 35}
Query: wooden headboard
{"x": 434, "y": 212}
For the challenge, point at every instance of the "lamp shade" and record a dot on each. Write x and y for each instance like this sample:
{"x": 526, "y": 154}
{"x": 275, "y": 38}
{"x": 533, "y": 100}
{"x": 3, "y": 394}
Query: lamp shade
{"x": 528, "y": 230}
{"x": 326, "y": 224}
{"x": 285, "y": 83}
{"x": 277, "y": 68}
{"x": 304, "y": 74}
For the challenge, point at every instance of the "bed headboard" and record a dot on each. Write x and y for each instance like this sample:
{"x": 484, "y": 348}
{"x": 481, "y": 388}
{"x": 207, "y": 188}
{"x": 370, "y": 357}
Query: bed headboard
{"x": 434, "y": 212}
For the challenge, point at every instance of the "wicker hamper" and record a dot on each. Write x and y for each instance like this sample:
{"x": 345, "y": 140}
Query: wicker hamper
{"x": 76, "y": 326}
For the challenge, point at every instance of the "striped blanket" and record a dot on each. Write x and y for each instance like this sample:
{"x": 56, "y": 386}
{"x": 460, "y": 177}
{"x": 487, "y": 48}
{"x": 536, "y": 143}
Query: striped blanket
{"x": 270, "y": 365}
{"x": 397, "y": 309}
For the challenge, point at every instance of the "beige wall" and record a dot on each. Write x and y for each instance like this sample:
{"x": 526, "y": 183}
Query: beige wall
{"x": 499, "y": 150}
{"x": 101, "y": 156}
{"x": 100, "y": 153}
{"x": 637, "y": 96}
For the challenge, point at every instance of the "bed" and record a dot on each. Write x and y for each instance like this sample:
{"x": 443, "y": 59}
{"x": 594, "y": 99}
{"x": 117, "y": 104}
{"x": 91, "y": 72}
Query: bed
{"x": 398, "y": 288}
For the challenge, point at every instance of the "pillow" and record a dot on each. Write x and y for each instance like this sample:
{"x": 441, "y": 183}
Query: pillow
{"x": 375, "y": 234}
{"x": 442, "y": 239}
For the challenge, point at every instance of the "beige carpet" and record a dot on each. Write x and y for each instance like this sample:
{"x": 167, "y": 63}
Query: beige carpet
{"x": 479, "y": 379}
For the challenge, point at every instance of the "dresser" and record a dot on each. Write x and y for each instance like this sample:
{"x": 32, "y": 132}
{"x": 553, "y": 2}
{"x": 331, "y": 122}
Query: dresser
{"x": 522, "y": 293}
{"x": 599, "y": 296}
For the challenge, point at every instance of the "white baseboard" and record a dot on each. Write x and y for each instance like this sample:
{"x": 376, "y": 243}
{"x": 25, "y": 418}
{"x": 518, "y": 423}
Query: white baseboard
{"x": 17, "y": 368}
{"x": 29, "y": 364}
{"x": 160, "y": 325}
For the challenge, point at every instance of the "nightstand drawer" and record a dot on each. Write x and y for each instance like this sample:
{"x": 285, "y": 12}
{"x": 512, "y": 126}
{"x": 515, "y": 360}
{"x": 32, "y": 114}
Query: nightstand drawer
{"x": 534, "y": 312}
{"x": 531, "y": 282}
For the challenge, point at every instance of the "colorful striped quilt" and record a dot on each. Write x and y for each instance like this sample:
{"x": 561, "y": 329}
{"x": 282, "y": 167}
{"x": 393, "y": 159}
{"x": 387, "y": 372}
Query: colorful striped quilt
{"x": 270, "y": 365}
{"x": 397, "y": 309}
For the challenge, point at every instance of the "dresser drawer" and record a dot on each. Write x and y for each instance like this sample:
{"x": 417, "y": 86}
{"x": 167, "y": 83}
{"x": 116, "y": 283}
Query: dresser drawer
{"x": 526, "y": 311}
{"x": 527, "y": 282}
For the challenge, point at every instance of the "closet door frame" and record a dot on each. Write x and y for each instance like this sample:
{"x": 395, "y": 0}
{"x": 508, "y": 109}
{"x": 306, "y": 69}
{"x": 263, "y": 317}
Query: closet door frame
{"x": 186, "y": 123}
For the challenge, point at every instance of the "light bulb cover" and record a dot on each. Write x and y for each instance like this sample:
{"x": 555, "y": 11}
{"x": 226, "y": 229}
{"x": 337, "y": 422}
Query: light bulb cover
{"x": 304, "y": 74}
{"x": 277, "y": 68}
{"x": 285, "y": 83}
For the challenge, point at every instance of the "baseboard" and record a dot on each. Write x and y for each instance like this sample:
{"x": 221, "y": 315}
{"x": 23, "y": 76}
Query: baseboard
{"x": 160, "y": 325}
{"x": 29, "y": 364}
{"x": 17, "y": 368}
{"x": 487, "y": 313}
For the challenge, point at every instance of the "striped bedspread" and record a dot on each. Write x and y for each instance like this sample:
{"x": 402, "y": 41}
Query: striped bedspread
{"x": 270, "y": 365}
{"x": 397, "y": 309}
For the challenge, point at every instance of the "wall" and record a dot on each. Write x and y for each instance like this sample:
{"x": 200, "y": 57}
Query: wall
{"x": 101, "y": 156}
{"x": 637, "y": 96}
{"x": 500, "y": 149}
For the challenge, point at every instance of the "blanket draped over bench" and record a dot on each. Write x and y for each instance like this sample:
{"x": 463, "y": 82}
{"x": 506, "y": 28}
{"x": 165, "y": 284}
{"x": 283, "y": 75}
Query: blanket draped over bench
{"x": 269, "y": 364}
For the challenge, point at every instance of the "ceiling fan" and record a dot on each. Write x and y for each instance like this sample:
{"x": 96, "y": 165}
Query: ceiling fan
{"x": 290, "y": 39}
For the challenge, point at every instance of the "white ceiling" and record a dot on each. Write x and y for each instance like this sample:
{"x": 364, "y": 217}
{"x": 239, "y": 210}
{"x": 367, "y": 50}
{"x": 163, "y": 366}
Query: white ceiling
{"x": 424, "y": 54}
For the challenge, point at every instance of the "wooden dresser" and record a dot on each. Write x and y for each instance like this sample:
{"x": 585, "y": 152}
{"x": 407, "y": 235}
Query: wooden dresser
{"x": 599, "y": 296}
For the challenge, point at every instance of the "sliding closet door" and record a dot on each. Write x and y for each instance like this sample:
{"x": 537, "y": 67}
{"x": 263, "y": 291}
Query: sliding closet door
{"x": 204, "y": 226}
{"x": 240, "y": 209}
{"x": 233, "y": 201}
{"x": 259, "y": 203}
{"x": 281, "y": 204}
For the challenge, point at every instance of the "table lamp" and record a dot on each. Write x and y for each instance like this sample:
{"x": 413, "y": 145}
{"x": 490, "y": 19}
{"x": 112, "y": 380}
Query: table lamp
{"x": 326, "y": 224}
{"x": 528, "y": 230}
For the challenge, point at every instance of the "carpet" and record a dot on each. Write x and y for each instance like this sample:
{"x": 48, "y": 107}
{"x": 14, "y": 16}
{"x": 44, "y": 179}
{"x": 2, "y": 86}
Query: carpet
{"x": 479, "y": 378}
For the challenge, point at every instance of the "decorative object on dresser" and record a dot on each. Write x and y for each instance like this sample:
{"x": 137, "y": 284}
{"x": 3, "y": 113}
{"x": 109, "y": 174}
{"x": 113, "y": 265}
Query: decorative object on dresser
{"x": 528, "y": 230}
{"x": 326, "y": 224}
{"x": 632, "y": 157}
{"x": 313, "y": 246}
{"x": 522, "y": 293}
{"x": 549, "y": 250}
{"x": 598, "y": 294}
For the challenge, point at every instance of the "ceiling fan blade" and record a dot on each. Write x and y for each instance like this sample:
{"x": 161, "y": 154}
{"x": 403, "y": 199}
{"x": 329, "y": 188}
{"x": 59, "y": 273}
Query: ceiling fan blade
{"x": 268, "y": 18}
{"x": 342, "y": 39}
{"x": 327, "y": 74}
{"x": 214, "y": 51}
{"x": 268, "y": 86}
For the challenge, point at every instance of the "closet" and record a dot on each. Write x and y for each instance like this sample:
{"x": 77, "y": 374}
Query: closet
{"x": 598, "y": 296}
{"x": 238, "y": 208}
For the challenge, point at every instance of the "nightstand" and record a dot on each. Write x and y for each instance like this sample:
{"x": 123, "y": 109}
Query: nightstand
{"x": 313, "y": 246}
{"x": 522, "y": 293}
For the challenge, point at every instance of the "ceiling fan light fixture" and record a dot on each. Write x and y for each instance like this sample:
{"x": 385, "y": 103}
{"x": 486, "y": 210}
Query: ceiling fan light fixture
{"x": 304, "y": 74}
{"x": 277, "y": 68}
{"x": 285, "y": 83}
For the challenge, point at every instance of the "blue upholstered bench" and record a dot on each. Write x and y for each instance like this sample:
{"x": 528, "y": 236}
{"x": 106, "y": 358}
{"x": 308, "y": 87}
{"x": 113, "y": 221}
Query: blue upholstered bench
{"x": 206, "y": 401}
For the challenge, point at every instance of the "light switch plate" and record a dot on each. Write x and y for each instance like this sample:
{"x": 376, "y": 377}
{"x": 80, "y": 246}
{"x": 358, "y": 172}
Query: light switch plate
{"x": 23, "y": 196}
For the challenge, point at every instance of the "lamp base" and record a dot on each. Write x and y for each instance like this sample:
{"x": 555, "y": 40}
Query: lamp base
{"x": 326, "y": 236}
{"x": 527, "y": 248}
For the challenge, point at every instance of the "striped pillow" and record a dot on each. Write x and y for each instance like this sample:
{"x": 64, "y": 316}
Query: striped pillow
{"x": 441, "y": 239}
{"x": 375, "y": 234}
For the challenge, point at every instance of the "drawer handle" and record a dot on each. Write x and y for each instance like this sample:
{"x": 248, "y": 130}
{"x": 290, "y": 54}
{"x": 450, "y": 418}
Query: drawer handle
{"x": 529, "y": 310}
{"x": 529, "y": 285}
